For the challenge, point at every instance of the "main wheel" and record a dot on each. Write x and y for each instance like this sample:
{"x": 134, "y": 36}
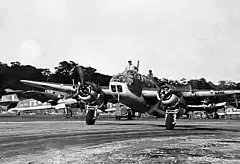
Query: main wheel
{"x": 68, "y": 113}
{"x": 215, "y": 115}
{"x": 118, "y": 118}
{"x": 169, "y": 122}
{"x": 129, "y": 116}
{"x": 90, "y": 117}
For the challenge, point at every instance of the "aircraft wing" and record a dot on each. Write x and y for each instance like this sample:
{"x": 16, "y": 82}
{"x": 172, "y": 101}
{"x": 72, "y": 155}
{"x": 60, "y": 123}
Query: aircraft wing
{"x": 53, "y": 86}
{"x": 41, "y": 96}
{"x": 41, "y": 107}
{"x": 204, "y": 106}
{"x": 150, "y": 93}
{"x": 108, "y": 95}
{"x": 209, "y": 93}
{"x": 192, "y": 99}
{"x": 198, "y": 93}
{"x": 69, "y": 89}
{"x": 213, "y": 97}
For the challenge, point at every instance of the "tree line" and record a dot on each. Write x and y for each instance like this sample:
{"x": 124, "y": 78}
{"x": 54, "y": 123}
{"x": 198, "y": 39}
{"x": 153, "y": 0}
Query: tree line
{"x": 10, "y": 76}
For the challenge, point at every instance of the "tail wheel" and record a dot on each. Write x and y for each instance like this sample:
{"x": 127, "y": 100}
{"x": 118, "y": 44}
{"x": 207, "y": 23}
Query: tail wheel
{"x": 169, "y": 122}
{"x": 90, "y": 117}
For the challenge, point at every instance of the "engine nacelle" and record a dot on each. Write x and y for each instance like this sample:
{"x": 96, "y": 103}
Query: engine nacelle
{"x": 89, "y": 92}
{"x": 167, "y": 97}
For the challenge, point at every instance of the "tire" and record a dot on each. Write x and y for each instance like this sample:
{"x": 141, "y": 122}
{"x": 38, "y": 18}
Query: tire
{"x": 216, "y": 116}
{"x": 169, "y": 122}
{"x": 90, "y": 118}
{"x": 68, "y": 114}
{"x": 129, "y": 116}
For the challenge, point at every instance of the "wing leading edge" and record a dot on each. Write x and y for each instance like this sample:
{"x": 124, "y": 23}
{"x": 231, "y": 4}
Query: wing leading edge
{"x": 47, "y": 85}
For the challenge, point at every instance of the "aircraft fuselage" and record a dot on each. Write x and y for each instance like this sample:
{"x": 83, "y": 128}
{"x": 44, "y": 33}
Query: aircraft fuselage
{"x": 127, "y": 89}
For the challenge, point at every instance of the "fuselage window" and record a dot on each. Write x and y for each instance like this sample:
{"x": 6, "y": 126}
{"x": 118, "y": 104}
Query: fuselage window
{"x": 113, "y": 88}
{"x": 119, "y": 88}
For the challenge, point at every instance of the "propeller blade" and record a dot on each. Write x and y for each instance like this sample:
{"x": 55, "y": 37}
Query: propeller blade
{"x": 80, "y": 72}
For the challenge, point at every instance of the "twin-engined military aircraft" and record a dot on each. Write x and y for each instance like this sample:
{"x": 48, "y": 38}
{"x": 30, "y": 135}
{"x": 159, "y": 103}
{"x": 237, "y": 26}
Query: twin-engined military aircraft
{"x": 140, "y": 94}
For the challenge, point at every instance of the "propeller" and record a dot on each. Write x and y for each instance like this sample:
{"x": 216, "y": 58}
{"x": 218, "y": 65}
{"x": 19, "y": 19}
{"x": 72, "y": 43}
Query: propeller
{"x": 81, "y": 74}
{"x": 165, "y": 93}
{"x": 84, "y": 89}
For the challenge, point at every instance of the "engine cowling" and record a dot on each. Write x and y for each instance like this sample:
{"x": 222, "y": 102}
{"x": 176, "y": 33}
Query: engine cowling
{"x": 88, "y": 92}
{"x": 167, "y": 97}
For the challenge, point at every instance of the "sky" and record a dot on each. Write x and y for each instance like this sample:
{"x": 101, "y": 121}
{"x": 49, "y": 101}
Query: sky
{"x": 174, "y": 38}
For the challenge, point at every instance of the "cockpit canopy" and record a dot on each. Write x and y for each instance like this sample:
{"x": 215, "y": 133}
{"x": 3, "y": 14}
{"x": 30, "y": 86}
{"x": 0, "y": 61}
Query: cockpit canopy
{"x": 131, "y": 75}
{"x": 125, "y": 77}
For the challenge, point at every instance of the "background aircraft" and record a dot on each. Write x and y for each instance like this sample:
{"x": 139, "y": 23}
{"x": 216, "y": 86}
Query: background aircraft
{"x": 56, "y": 100}
{"x": 137, "y": 92}
{"x": 9, "y": 101}
{"x": 29, "y": 105}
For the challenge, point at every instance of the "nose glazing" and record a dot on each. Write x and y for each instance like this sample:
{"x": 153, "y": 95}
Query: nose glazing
{"x": 116, "y": 88}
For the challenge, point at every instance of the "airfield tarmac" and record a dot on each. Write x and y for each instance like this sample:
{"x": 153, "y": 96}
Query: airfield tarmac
{"x": 138, "y": 141}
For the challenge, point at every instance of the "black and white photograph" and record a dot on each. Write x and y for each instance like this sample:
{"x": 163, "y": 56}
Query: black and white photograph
{"x": 119, "y": 81}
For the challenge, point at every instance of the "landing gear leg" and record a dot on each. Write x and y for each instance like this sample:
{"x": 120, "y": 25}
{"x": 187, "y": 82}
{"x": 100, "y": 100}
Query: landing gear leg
{"x": 170, "y": 119}
{"x": 91, "y": 116}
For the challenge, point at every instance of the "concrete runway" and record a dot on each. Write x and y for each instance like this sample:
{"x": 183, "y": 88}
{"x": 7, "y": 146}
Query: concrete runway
{"x": 70, "y": 141}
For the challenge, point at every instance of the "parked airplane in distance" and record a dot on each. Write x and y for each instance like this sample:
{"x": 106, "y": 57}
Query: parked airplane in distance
{"x": 10, "y": 99}
{"x": 137, "y": 92}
